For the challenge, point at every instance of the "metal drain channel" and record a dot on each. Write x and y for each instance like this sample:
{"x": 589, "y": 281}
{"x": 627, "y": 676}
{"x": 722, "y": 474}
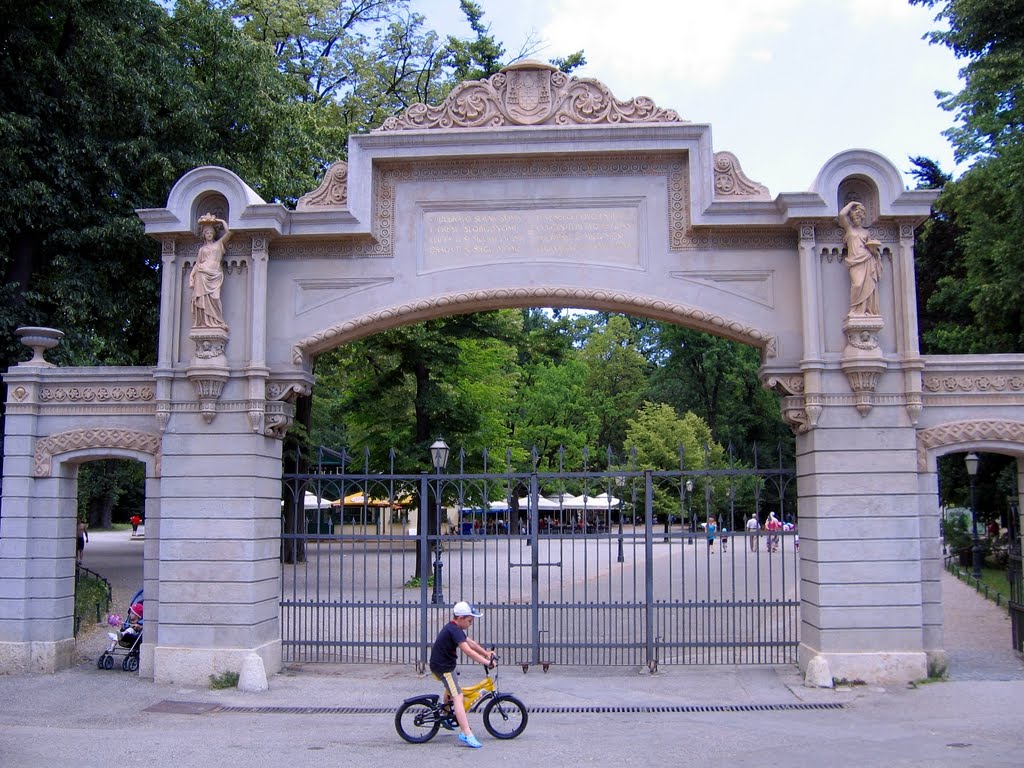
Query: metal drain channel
{"x": 640, "y": 710}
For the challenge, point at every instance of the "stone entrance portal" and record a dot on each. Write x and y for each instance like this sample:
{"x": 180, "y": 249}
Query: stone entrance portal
{"x": 531, "y": 188}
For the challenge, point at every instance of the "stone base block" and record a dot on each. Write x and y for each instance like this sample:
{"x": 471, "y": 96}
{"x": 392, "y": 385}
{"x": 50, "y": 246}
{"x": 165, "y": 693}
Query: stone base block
{"x": 193, "y": 666}
{"x": 878, "y": 668}
{"x": 36, "y": 656}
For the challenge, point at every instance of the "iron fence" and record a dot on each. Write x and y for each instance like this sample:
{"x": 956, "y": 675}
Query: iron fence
{"x": 616, "y": 567}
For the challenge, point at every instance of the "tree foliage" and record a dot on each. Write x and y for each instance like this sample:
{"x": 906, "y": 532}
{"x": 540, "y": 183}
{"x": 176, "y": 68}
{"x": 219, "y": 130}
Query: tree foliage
{"x": 987, "y": 202}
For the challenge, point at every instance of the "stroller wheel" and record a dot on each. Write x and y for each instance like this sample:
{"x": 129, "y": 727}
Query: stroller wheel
{"x": 124, "y": 663}
{"x": 131, "y": 663}
{"x": 108, "y": 662}
{"x": 99, "y": 661}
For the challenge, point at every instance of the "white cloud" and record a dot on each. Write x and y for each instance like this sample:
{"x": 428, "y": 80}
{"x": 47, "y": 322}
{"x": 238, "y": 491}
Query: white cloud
{"x": 697, "y": 41}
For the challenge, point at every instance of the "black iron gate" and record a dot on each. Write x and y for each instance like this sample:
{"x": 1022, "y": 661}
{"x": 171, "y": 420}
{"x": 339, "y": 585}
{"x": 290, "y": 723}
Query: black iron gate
{"x": 623, "y": 571}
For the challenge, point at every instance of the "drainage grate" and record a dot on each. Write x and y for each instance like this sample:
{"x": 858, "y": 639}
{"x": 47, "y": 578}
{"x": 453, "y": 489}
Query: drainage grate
{"x": 642, "y": 710}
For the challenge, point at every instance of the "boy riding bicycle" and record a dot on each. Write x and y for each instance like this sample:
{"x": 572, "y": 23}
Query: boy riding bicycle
{"x": 444, "y": 659}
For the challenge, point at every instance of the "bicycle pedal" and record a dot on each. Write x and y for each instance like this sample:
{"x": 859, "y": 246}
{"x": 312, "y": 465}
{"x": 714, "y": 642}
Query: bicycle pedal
{"x": 449, "y": 723}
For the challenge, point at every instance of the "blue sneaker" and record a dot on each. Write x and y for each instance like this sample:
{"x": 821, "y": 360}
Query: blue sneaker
{"x": 470, "y": 741}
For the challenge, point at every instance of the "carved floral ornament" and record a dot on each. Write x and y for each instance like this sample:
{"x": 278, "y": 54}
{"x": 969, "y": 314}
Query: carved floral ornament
{"x": 530, "y": 93}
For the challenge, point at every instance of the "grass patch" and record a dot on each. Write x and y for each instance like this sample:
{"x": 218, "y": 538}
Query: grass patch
{"x": 89, "y": 593}
{"x": 994, "y": 578}
{"x": 837, "y": 681}
{"x": 224, "y": 680}
{"x": 926, "y": 681}
{"x": 414, "y": 582}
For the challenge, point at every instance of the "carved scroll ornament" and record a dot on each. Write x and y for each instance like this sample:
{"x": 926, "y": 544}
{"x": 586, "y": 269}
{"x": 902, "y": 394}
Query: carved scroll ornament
{"x": 730, "y": 181}
{"x": 332, "y": 192}
{"x": 530, "y": 93}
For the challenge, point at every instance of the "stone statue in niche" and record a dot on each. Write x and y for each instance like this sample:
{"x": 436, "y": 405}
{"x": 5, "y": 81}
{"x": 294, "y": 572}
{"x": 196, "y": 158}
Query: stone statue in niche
{"x": 863, "y": 259}
{"x": 207, "y": 274}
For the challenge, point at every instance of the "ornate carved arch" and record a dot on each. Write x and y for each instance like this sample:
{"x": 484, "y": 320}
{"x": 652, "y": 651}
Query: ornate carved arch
{"x": 80, "y": 439}
{"x": 960, "y": 432}
{"x": 473, "y": 301}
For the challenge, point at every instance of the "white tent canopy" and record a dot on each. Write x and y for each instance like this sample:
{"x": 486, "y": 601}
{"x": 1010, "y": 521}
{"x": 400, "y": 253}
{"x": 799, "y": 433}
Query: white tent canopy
{"x": 312, "y": 501}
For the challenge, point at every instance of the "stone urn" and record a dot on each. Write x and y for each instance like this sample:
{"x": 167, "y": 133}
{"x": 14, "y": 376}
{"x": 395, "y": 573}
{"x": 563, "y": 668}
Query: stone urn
{"x": 39, "y": 339}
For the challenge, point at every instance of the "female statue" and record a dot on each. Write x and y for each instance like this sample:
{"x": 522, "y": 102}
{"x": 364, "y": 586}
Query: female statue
{"x": 863, "y": 258}
{"x": 207, "y": 275}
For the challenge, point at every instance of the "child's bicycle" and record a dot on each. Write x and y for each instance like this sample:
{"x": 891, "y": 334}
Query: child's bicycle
{"x": 420, "y": 718}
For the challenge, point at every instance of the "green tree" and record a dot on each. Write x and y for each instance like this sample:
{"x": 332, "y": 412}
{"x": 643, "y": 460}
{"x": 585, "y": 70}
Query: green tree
{"x": 616, "y": 379}
{"x": 988, "y": 200}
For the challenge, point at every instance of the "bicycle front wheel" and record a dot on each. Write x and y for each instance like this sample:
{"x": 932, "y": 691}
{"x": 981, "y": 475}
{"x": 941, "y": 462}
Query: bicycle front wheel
{"x": 505, "y": 717}
{"x": 415, "y": 720}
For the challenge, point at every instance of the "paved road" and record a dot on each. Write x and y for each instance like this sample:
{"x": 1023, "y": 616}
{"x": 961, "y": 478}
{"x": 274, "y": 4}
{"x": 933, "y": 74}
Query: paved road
{"x": 703, "y": 716}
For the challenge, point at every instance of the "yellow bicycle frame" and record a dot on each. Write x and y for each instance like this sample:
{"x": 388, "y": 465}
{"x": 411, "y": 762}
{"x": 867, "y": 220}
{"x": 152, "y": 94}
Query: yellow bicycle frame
{"x": 471, "y": 694}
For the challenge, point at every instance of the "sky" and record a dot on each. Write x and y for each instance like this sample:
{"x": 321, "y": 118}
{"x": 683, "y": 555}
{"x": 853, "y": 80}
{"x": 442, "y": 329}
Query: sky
{"x": 784, "y": 84}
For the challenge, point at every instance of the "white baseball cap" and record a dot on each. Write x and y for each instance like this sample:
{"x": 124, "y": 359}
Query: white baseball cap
{"x": 462, "y": 608}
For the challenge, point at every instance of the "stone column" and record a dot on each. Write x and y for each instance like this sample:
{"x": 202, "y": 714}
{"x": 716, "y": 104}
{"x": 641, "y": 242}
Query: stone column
{"x": 219, "y": 557}
{"x": 812, "y": 362}
{"x": 860, "y": 548}
{"x": 257, "y": 371}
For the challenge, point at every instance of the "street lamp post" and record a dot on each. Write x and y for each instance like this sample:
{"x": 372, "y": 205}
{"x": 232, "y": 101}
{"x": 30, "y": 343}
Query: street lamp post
{"x": 439, "y": 458}
{"x": 971, "y": 460}
{"x": 620, "y": 482}
{"x": 689, "y": 510}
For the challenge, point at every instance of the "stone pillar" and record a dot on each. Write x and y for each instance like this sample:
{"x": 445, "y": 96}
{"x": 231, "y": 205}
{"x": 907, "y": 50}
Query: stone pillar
{"x": 860, "y": 548}
{"x": 37, "y": 542}
{"x": 219, "y": 556}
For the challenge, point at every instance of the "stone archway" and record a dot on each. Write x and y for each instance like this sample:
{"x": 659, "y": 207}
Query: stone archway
{"x": 529, "y": 188}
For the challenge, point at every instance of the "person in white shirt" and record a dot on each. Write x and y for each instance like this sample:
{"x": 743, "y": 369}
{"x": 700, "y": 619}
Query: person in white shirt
{"x": 752, "y": 528}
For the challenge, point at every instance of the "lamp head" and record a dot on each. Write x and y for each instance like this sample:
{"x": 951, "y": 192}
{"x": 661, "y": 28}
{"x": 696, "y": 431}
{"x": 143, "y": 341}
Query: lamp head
{"x": 971, "y": 460}
{"x": 439, "y": 454}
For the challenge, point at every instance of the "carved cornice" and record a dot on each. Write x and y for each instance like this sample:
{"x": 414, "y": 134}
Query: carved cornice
{"x": 522, "y": 297}
{"x": 79, "y": 439}
{"x": 332, "y": 192}
{"x": 529, "y": 93}
{"x": 730, "y": 181}
{"x": 965, "y": 432}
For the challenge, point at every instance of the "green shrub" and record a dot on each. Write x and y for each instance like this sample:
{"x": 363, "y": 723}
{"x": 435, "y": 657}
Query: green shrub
{"x": 224, "y": 680}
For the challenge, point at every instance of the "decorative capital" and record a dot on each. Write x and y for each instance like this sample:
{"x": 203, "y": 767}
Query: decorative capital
{"x": 529, "y": 93}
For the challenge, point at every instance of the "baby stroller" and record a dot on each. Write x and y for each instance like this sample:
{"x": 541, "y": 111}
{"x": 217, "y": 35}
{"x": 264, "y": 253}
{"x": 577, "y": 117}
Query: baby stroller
{"x": 126, "y": 641}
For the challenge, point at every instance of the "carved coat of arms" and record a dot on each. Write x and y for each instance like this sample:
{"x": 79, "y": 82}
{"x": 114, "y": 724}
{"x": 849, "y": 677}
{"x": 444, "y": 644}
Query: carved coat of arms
{"x": 528, "y": 94}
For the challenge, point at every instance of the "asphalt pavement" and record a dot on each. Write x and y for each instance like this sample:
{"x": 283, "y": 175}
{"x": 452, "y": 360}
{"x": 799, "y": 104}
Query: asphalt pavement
{"x": 704, "y": 716}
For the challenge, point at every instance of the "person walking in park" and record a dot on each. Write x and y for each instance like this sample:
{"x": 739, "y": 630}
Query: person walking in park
{"x": 136, "y": 521}
{"x": 711, "y": 528}
{"x": 83, "y": 537}
{"x": 444, "y": 659}
{"x": 753, "y": 526}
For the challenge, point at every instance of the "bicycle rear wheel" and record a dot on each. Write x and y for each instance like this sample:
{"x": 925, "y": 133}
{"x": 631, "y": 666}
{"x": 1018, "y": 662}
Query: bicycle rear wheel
{"x": 416, "y": 721}
{"x": 505, "y": 717}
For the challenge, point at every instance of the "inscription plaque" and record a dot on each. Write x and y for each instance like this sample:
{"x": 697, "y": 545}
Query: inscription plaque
{"x": 462, "y": 238}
